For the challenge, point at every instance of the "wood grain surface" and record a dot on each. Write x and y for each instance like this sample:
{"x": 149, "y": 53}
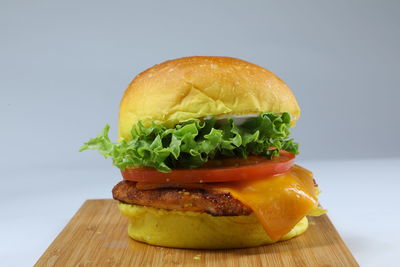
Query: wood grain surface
{"x": 97, "y": 236}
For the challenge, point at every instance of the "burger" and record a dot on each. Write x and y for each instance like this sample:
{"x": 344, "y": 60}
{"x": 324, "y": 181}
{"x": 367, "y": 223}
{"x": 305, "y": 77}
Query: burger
{"x": 206, "y": 156}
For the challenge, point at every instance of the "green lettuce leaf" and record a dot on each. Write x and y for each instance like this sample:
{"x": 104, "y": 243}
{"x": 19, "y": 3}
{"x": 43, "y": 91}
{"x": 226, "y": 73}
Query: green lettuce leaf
{"x": 192, "y": 143}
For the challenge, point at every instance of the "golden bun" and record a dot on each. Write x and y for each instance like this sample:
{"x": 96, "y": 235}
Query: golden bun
{"x": 195, "y": 87}
{"x": 198, "y": 230}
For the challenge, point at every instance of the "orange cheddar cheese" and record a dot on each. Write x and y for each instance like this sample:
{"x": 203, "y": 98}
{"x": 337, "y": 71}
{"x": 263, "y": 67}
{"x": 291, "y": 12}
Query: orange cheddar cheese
{"x": 279, "y": 202}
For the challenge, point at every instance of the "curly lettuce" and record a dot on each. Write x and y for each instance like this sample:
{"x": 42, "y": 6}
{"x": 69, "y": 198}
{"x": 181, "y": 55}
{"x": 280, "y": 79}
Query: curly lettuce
{"x": 192, "y": 143}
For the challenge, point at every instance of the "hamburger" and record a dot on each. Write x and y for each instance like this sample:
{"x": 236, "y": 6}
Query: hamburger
{"x": 206, "y": 156}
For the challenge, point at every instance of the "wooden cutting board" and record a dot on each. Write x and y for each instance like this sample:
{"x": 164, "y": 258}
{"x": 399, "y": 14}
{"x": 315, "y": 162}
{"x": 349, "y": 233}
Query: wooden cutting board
{"x": 97, "y": 236}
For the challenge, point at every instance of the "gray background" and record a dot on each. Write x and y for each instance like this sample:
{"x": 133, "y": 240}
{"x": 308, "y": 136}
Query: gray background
{"x": 64, "y": 66}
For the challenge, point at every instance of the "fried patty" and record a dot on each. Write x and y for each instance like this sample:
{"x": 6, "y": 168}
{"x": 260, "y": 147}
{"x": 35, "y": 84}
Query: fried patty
{"x": 178, "y": 199}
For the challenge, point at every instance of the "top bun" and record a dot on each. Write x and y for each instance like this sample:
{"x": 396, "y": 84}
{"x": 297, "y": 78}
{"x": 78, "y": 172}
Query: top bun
{"x": 195, "y": 87}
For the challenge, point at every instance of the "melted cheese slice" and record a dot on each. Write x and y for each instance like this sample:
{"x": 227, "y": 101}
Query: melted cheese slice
{"x": 279, "y": 202}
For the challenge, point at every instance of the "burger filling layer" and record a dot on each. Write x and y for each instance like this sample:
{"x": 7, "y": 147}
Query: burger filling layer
{"x": 279, "y": 199}
{"x": 279, "y": 202}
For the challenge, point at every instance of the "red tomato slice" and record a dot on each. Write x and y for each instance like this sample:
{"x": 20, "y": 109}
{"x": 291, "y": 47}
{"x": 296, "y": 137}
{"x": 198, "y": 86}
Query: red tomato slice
{"x": 222, "y": 170}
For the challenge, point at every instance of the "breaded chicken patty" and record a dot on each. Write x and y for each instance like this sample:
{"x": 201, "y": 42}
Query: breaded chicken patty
{"x": 179, "y": 199}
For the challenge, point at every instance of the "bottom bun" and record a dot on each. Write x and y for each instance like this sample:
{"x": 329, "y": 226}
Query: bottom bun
{"x": 198, "y": 230}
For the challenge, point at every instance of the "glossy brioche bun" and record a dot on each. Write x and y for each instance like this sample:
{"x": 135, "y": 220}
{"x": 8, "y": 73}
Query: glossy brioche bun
{"x": 195, "y": 87}
{"x": 198, "y": 230}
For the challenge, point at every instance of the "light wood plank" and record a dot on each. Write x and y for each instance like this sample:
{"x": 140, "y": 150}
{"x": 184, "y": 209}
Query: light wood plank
{"x": 97, "y": 236}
